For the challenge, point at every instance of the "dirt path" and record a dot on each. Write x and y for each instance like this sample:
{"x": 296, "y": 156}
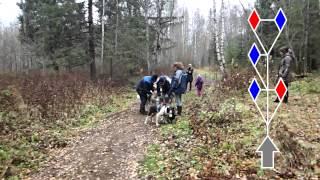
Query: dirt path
{"x": 110, "y": 151}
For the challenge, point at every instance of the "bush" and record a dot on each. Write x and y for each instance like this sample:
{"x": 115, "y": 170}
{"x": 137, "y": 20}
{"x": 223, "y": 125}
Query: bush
{"x": 307, "y": 86}
{"x": 36, "y": 110}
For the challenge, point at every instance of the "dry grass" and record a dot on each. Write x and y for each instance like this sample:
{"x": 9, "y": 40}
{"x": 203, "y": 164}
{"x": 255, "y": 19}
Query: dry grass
{"x": 36, "y": 112}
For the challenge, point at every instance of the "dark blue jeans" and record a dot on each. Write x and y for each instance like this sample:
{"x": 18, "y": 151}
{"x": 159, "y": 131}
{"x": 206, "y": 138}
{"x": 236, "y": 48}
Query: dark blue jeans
{"x": 143, "y": 98}
{"x": 190, "y": 80}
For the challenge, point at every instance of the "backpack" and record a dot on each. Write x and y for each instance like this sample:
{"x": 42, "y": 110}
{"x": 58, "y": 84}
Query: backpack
{"x": 183, "y": 82}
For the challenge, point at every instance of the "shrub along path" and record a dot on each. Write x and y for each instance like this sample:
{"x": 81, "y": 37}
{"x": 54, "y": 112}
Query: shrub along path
{"x": 109, "y": 151}
{"x": 218, "y": 134}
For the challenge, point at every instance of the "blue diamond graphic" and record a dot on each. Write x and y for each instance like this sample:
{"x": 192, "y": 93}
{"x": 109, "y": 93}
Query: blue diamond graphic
{"x": 254, "y": 89}
{"x": 254, "y": 54}
{"x": 281, "y": 19}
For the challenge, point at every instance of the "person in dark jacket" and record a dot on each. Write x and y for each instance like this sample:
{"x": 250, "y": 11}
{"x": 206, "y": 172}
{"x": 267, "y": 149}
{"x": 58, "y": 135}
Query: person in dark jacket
{"x": 284, "y": 70}
{"x": 163, "y": 86}
{"x": 190, "y": 76}
{"x": 178, "y": 67}
{"x": 145, "y": 88}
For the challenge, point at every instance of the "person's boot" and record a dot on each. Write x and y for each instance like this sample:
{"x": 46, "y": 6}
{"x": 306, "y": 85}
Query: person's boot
{"x": 179, "y": 108}
{"x": 143, "y": 111}
{"x": 286, "y": 98}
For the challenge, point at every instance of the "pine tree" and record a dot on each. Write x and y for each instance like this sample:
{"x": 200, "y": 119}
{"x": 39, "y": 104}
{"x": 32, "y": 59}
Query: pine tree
{"x": 55, "y": 29}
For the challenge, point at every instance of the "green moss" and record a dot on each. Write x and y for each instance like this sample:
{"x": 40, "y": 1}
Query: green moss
{"x": 226, "y": 146}
{"x": 4, "y": 154}
{"x": 306, "y": 86}
{"x": 180, "y": 129}
{"x": 152, "y": 163}
{"x": 6, "y": 93}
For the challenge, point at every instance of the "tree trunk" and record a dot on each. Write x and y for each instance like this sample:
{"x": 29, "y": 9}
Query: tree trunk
{"x": 195, "y": 48}
{"x": 289, "y": 40}
{"x": 222, "y": 33}
{"x": 115, "y": 39}
{"x": 218, "y": 48}
{"x": 147, "y": 43}
{"x": 91, "y": 43}
{"x": 146, "y": 14}
{"x": 157, "y": 47}
{"x": 102, "y": 35}
{"x": 307, "y": 65}
{"x": 183, "y": 33}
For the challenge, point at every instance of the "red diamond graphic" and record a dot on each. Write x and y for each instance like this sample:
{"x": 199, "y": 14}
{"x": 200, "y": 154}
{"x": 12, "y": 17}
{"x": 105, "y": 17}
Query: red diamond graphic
{"x": 254, "y": 19}
{"x": 281, "y": 89}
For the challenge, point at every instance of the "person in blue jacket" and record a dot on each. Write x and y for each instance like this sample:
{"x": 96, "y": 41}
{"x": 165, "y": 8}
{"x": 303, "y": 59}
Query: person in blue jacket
{"x": 144, "y": 88}
{"x": 175, "y": 86}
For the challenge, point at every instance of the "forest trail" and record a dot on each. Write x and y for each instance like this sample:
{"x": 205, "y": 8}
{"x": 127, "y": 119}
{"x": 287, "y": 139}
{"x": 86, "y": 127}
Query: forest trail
{"x": 109, "y": 151}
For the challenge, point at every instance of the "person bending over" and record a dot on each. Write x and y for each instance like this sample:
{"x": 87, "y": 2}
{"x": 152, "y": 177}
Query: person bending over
{"x": 163, "y": 86}
{"x": 145, "y": 88}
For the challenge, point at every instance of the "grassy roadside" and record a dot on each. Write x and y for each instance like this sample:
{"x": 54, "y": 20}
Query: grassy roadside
{"x": 23, "y": 149}
{"x": 218, "y": 135}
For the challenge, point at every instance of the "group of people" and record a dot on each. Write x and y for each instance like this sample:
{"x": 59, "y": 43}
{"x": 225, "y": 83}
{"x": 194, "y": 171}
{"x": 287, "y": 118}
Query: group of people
{"x": 178, "y": 84}
{"x": 169, "y": 87}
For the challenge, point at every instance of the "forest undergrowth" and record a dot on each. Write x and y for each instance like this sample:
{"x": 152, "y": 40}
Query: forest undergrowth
{"x": 39, "y": 113}
{"x": 219, "y": 133}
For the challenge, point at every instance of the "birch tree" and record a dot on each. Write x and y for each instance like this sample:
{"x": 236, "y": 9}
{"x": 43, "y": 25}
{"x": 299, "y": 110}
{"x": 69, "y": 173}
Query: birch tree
{"x": 218, "y": 40}
{"x": 222, "y": 20}
{"x": 212, "y": 49}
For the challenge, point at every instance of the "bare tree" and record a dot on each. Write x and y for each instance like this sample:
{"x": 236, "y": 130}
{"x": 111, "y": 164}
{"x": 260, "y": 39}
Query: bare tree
{"x": 306, "y": 29}
{"x": 92, "y": 61}
{"x": 163, "y": 21}
{"x": 102, "y": 33}
{"x": 115, "y": 39}
{"x": 146, "y": 5}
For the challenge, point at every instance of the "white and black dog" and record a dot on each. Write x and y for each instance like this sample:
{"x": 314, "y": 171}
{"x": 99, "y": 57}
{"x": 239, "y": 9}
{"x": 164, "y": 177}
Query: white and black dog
{"x": 163, "y": 112}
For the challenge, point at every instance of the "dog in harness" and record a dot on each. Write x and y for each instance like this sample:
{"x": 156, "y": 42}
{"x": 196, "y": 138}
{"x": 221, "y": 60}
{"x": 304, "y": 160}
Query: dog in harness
{"x": 163, "y": 111}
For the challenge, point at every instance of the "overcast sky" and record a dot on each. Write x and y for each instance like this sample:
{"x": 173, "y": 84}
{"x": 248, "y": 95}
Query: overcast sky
{"x": 9, "y": 10}
{"x": 205, "y": 5}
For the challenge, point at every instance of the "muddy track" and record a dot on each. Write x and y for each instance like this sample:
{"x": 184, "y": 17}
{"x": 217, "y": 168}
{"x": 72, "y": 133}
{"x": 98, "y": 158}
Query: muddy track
{"x": 109, "y": 151}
